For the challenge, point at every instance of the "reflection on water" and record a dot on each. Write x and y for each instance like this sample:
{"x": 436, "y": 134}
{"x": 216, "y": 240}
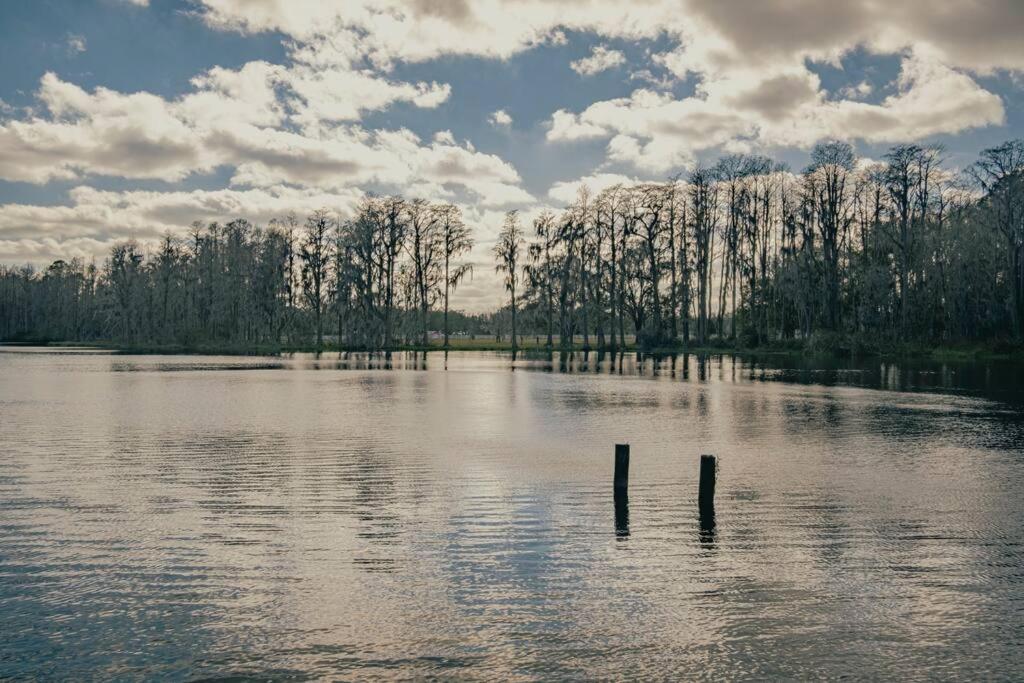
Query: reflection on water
{"x": 621, "y": 513}
{"x": 706, "y": 524}
{"x": 998, "y": 380}
{"x": 320, "y": 517}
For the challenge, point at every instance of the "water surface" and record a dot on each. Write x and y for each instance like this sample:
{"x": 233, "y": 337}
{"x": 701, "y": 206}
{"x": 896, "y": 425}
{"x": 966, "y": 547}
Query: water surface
{"x": 179, "y": 517}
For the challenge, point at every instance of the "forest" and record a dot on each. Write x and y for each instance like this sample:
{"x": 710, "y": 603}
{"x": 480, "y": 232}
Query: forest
{"x": 848, "y": 255}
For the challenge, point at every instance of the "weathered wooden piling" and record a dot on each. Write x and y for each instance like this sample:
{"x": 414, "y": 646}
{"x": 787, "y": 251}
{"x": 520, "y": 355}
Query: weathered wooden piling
{"x": 621, "y": 468}
{"x": 708, "y": 472}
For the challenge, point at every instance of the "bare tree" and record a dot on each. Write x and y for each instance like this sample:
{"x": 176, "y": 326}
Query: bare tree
{"x": 314, "y": 254}
{"x": 1000, "y": 172}
{"x": 457, "y": 240}
{"x": 827, "y": 186}
{"x": 426, "y": 248}
{"x": 876, "y": 255}
{"x": 506, "y": 253}
{"x": 704, "y": 216}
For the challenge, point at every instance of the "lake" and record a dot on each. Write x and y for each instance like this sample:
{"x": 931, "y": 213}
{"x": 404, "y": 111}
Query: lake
{"x": 370, "y": 517}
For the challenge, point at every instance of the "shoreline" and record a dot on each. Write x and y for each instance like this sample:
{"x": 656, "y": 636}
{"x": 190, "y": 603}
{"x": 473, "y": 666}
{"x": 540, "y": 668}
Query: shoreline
{"x": 936, "y": 354}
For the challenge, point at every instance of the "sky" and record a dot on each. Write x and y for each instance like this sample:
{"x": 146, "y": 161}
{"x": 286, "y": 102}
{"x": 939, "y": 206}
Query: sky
{"x": 129, "y": 118}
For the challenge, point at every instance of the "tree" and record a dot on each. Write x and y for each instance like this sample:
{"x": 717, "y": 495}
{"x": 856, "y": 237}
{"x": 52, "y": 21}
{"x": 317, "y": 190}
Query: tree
{"x": 826, "y": 188}
{"x": 125, "y": 274}
{"x": 393, "y": 219}
{"x": 540, "y": 268}
{"x": 704, "y": 213}
{"x": 426, "y": 248}
{"x": 315, "y": 257}
{"x": 651, "y": 217}
{"x": 875, "y": 255}
{"x": 1000, "y": 173}
{"x": 506, "y": 253}
{"x": 456, "y": 241}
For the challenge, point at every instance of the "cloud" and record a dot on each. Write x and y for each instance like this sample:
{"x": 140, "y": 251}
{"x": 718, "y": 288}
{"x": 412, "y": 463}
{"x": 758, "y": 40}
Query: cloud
{"x": 566, "y": 191}
{"x": 751, "y": 67}
{"x": 931, "y": 99}
{"x": 600, "y": 59}
{"x": 293, "y": 134}
{"x": 95, "y": 220}
{"x": 103, "y": 133}
{"x": 325, "y": 86}
{"x": 658, "y": 132}
{"x": 566, "y": 126}
{"x": 76, "y": 44}
{"x": 981, "y": 35}
{"x": 237, "y": 119}
{"x": 750, "y": 63}
{"x": 779, "y": 96}
{"x": 386, "y": 31}
{"x": 857, "y": 92}
{"x": 720, "y": 33}
{"x": 653, "y": 130}
{"x": 500, "y": 119}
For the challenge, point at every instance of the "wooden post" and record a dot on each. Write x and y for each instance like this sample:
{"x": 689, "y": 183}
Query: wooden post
{"x": 621, "y": 468}
{"x": 708, "y": 470}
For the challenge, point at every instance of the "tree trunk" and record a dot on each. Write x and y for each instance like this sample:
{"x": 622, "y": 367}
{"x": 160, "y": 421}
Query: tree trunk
{"x": 446, "y": 300}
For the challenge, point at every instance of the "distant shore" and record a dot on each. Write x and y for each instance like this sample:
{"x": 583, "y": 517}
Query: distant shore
{"x": 531, "y": 345}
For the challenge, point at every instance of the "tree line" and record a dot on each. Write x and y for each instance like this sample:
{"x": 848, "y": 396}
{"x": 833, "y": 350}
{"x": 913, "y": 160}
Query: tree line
{"x": 745, "y": 252}
{"x": 372, "y": 281}
{"x": 848, "y": 253}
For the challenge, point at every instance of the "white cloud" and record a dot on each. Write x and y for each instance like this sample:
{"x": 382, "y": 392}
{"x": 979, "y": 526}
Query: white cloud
{"x": 336, "y": 91}
{"x": 931, "y": 99}
{"x": 346, "y": 156}
{"x": 419, "y": 30}
{"x": 236, "y": 118}
{"x": 721, "y": 33}
{"x": 224, "y": 98}
{"x": 76, "y": 44}
{"x": 500, "y": 119}
{"x": 754, "y": 86}
{"x": 104, "y": 132}
{"x": 566, "y": 126}
{"x": 750, "y": 61}
{"x": 566, "y": 191}
{"x": 980, "y": 35}
{"x": 857, "y": 92}
{"x": 95, "y": 220}
{"x": 600, "y": 59}
{"x": 651, "y": 130}
{"x": 658, "y": 132}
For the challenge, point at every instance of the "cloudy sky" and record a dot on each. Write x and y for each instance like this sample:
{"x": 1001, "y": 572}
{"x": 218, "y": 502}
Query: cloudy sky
{"x": 126, "y": 118}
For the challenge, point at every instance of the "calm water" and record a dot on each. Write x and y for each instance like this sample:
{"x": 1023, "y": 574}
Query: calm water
{"x": 365, "y": 518}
